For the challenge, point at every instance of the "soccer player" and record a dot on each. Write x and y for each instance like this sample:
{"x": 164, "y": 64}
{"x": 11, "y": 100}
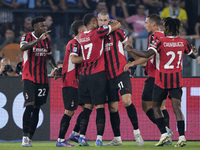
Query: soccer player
{"x": 92, "y": 80}
{"x": 152, "y": 25}
{"x": 36, "y": 51}
{"x": 168, "y": 79}
{"x": 118, "y": 80}
{"x": 70, "y": 73}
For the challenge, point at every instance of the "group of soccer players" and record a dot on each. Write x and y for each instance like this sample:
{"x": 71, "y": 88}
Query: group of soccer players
{"x": 95, "y": 69}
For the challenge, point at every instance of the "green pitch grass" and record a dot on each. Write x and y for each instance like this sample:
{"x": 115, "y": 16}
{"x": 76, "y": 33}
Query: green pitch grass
{"x": 127, "y": 145}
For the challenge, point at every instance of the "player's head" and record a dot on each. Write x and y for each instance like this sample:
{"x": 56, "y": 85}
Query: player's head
{"x": 172, "y": 26}
{"x": 103, "y": 18}
{"x": 77, "y": 27}
{"x": 39, "y": 24}
{"x": 90, "y": 21}
{"x": 152, "y": 22}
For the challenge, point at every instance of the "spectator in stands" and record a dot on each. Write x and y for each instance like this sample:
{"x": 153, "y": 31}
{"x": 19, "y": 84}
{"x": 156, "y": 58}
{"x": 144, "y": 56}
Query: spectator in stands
{"x": 6, "y": 68}
{"x": 9, "y": 38}
{"x": 50, "y": 25}
{"x": 154, "y": 6}
{"x": 119, "y": 12}
{"x": 138, "y": 21}
{"x": 175, "y": 11}
{"x": 89, "y": 4}
{"x": 198, "y": 58}
{"x": 55, "y": 4}
{"x": 101, "y": 5}
{"x": 28, "y": 24}
{"x": 197, "y": 26}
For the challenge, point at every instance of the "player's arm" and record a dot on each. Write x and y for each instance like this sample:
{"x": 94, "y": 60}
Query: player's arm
{"x": 130, "y": 52}
{"x": 76, "y": 59}
{"x": 53, "y": 65}
{"x": 27, "y": 45}
{"x": 145, "y": 54}
{"x": 194, "y": 53}
{"x": 114, "y": 25}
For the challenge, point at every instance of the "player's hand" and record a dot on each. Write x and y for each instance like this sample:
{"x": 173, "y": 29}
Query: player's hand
{"x": 127, "y": 66}
{"x": 44, "y": 35}
{"x": 113, "y": 21}
{"x": 56, "y": 74}
{"x": 194, "y": 49}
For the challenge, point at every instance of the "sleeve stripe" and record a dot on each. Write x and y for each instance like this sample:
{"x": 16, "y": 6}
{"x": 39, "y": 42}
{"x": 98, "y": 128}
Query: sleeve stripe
{"x": 153, "y": 49}
{"x": 73, "y": 54}
{"x": 190, "y": 53}
{"x": 109, "y": 29}
{"x": 23, "y": 43}
{"x": 102, "y": 31}
{"x": 125, "y": 40}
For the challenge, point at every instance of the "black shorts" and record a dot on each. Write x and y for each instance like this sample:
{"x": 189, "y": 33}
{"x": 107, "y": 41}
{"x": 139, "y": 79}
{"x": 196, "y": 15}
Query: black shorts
{"x": 92, "y": 88}
{"x": 160, "y": 94}
{"x": 148, "y": 89}
{"x": 120, "y": 83}
{"x": 70, "y": 98}
{"x": 34, "y": 92}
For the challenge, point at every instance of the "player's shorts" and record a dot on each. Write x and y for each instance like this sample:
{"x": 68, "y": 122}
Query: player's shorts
{"x": 120, "y": 83}
{"x": 34, "y": 92}
{"x": 92, "y": 88}
{"x": 148, "y": 89}
{"x": 70, "y": 98}
{"x": 160, "y": 94}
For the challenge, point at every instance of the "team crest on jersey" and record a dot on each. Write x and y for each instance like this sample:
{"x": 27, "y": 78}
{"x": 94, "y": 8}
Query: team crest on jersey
{"x": 23, "y": 38}
{"x": 105, "y": 27}
{"x": 26, "y": 95}
{"x": 75, "y": 49}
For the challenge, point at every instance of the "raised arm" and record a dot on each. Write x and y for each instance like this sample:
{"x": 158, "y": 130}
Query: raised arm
{"x": 25, "y": 46}
{"x": 114, "y": 24}
{"x": 194, "y": 53}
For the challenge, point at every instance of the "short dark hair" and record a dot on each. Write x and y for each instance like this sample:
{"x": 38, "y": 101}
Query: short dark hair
{"x": 172, "y": 25}
{"x": 156, "y": 18}
{"x": 87, "y": 18}
{"x": 103, "y": 12}
{"x": 76, "y": 25}
{"x": 37, "y": 19}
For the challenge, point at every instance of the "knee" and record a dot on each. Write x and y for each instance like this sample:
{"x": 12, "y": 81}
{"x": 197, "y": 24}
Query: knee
{"x": 113, "y": 107}
{"x": 69, "y": 112}
{"x": 127, "y": 102}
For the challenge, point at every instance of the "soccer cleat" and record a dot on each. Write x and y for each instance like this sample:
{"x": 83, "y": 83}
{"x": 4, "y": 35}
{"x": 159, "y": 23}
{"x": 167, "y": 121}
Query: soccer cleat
{"x": 26, "y": 142}
{"x": 82, "y": 142}
{"x": 163, "y": 139}
{"x": 181, "y": 142}
{"x": 139, "y": 140}
{"x": 114, "y": 143}
{"x": 64, "y": 144}
{"x": 169, "y": 142}
{"x": 98, "y": 143}
{"x": 73, "y": 137}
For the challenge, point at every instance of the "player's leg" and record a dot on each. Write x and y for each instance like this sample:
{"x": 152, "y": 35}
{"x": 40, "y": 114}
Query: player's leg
{"x": 113, "y": 98}
{"x": 29, "y": 96}
{"x": 175, "y": 96}
{"x": 158, "y": 95}
{"x": 125, "y": 88}
{"x": 147, "y": 103}
{"x": 84, "y": 123}
{"x": 74, "y": 136}
{"x": 98, "y": 97}
{"x": 70, "y": 100}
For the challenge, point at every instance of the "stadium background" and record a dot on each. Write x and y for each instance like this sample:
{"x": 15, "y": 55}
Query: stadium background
{"x": 11, "y": 111}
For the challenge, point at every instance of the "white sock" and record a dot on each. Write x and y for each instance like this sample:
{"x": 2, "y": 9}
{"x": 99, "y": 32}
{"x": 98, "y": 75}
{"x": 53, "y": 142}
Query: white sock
{"x": 118, "y": 138}
{"x": 136, "y": 131}
{"x": 75, "y": 133}
{"x": 99, "y": 137}
{"x": 83, "y": 136}
{"x": 181, "y": 137}
{"x": 60, "y": 140}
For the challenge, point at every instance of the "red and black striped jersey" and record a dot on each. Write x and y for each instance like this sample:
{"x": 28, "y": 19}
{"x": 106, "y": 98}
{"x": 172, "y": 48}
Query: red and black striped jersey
{"x": 150, "y": 68}
{"x": 70, "y": 71}
{"x": 115, "y": 59}
{"x": 92, "y": 45}
{"x": 34, "y": 61}
{"x": 169, "y": 54}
